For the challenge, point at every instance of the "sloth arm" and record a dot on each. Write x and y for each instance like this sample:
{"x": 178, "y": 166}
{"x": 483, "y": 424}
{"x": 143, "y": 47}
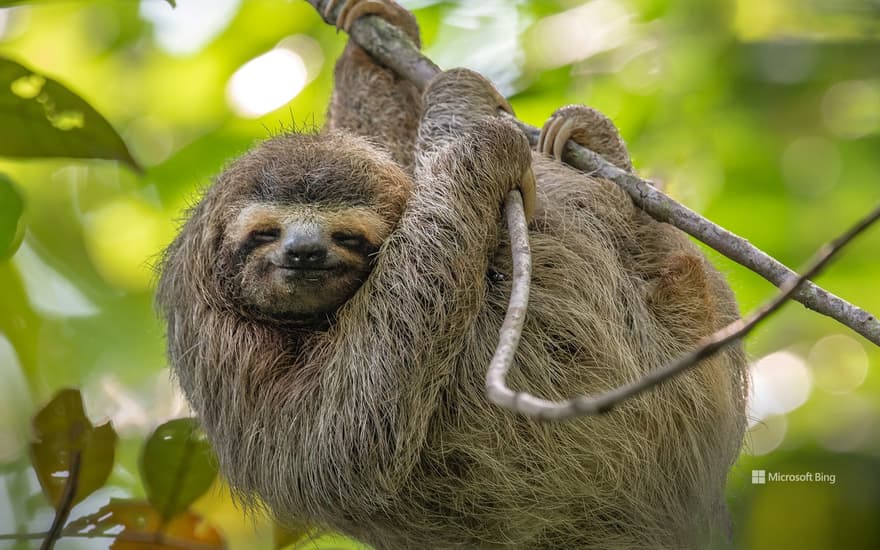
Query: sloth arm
{"x": 413, "y": 315}
{"x": 371, "y": 101}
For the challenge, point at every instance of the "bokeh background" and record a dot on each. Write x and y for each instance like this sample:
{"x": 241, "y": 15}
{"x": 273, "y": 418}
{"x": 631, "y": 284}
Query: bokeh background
{"x": 762, "y": 115}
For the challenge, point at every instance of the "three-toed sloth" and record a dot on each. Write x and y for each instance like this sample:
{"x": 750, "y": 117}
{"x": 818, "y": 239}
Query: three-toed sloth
{"x": 334, "y": 300}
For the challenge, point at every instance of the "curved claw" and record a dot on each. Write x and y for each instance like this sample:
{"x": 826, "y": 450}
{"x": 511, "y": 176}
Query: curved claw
{"x": 561, "y": 138}
{"x": 548, "y": 135}
{"x": 541, "y": 135}
{"x": 588, "y": 128}
{"x": 328, "y": 9}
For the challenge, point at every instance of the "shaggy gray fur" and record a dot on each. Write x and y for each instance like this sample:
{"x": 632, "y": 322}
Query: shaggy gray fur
{"x": 377, "y": 425}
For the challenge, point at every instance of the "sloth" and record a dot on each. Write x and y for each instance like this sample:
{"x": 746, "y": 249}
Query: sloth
{"x": 334, "y": 299}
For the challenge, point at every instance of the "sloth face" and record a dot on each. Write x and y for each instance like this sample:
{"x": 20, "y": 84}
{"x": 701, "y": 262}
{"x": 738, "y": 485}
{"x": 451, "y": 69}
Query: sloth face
{"x": 292, "y": 227}
{"x": 299, "y": 263}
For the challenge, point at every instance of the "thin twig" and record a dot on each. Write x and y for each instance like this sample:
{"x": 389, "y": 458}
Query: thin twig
{"x": 512, "y": 327}
{"x": 393, "y": 48}
{"x": 66, "y": 502}
{"x": 536, "y": 407}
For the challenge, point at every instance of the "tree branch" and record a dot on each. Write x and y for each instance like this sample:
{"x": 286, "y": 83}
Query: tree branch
{"x": 65, "y": 503}
{"x": 528, "y": 404}
{"x": 512, "y": 327}
{"x": 392, "y": 48}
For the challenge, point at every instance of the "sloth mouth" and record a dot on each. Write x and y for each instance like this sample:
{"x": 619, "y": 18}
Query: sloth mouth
{"x": 299, "y": 269}
{"x": 310, "y": 272}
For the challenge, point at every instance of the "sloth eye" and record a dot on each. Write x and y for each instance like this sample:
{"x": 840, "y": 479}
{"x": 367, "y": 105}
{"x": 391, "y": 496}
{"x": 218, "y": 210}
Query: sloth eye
{"x": 348, "y": 239}
{"x": 262, "y": 236}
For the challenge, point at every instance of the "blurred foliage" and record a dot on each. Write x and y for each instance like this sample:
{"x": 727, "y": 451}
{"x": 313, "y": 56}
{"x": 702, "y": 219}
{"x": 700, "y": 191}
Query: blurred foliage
{"x": 763, "y": 116}
{"x": 73, "y": 459}
{"x": 67, "y": 446}
{"x": 134, "y": 525}
{"x": 11, "y": 209}
{"x": 177, "y": 466}
{"x": 42, "y": 118}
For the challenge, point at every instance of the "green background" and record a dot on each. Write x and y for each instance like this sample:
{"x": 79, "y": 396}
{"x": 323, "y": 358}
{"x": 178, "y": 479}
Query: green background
{"x": 764, "y": 116}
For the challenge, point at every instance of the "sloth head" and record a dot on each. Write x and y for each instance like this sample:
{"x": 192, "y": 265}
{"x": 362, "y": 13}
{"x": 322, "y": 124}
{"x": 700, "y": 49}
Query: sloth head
{"x": 288, "y": 232}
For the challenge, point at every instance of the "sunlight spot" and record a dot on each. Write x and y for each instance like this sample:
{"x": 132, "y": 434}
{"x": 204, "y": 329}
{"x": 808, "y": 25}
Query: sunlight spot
{"x": 150, "y": 139}
{"x": 780, "y": 383}
{"x": 851, "y": 427}
{"x": 266, "y": 83}
{"x": 579, "y": 33}
{"x": 784, "y": 62}
{"x": 755, "y": 19}
{"x": 32, "y": 87}
{"x": 15, "y": 404}
{"x": 766, "y": 436}
{"x": 642, "y": 72}
{"x": 10, "y": 446}
{"x": 13, "y": 22}
{"x": 67, "y": 120}
{"x": 4, "y": 21}
{"x": 483, "y": 36}
{"x": 810, "y": 166}
{"x": 839, "y": 363}
{"x": 134, "y": 409}
{"x": 48, "y": 291}
{"x": 121, "y": 405}
{"x": 852, "y": 109}
{"x": 308, "y": 49}
{"x": 124, "y": 238}
{"x": 700, "y": 166}
{"x": 191, "y": 25}
{"x": 28, "y": 87}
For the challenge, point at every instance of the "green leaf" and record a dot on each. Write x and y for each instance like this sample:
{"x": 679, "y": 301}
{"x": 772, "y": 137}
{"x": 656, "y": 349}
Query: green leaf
{"x": 177, "y": 466}
{"x": 11, "y": 226}
{"x": 61, "y": 429}
{"x": 39, "y": 117}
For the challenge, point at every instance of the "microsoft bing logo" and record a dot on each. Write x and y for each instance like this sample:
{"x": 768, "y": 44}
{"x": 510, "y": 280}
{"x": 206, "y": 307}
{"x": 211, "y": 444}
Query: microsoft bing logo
{"x": 761, "y": 477}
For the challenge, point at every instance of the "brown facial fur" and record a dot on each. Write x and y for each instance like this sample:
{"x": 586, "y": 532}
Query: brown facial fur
{"x": 378, "y": 426}
{"x": 257, "y": 236}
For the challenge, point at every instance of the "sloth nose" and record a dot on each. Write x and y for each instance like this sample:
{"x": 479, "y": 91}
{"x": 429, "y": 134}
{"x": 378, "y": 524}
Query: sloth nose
{"x": 305, "y": 250}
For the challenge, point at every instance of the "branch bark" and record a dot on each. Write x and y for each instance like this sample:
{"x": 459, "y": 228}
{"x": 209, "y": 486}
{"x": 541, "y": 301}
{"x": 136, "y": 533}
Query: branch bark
{"x": 392, "y": 48}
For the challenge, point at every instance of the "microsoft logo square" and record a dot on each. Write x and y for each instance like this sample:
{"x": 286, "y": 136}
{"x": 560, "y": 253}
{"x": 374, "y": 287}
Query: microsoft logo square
{"x": 759, "y": 477}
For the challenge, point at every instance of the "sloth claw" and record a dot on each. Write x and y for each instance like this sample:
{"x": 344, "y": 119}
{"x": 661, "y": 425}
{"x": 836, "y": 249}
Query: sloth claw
{"x": 562, "y": 135}
{"x": 586, "y": 127}
{"x": 328, "y": 8}
{"x": 550, "y": 135}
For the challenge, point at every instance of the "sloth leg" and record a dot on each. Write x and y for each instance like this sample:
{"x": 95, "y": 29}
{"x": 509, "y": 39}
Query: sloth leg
{"x": 588, "y": 128}
{"x": 369, "y": 99}
{"x": 459, "y": 103}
